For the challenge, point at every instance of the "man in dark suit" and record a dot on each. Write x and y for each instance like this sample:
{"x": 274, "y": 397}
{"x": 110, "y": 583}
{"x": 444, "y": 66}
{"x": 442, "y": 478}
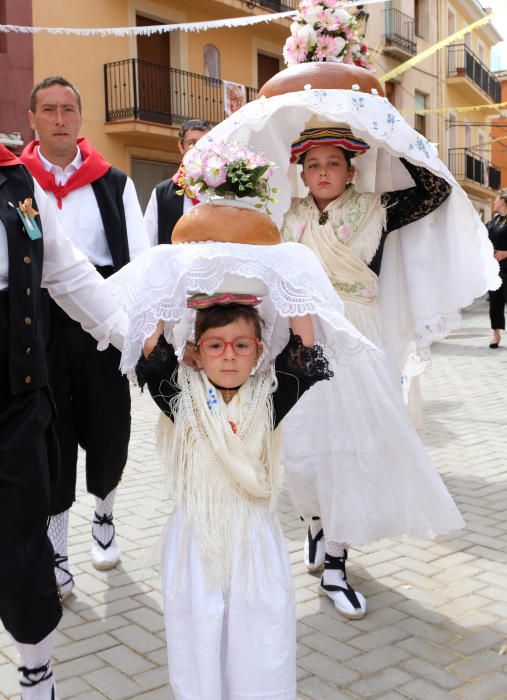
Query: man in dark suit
{"x": 165, "y": 206}
{"x": 34, "y": 253}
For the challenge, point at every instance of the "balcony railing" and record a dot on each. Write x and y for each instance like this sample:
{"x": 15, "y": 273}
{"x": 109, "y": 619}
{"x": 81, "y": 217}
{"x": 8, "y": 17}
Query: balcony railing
{"x": 466, "y": 165}
{"x": 275, "y": 5}
{"x": 400, "y": 30}
{"x": 146, "y": 91}
{"x": 461, "y": 60}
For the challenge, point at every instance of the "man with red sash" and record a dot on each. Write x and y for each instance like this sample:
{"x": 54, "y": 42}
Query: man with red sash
{"x": 33, "y": 253}
{"x": 97, "y": 207}
{"x": 166, "y": 206}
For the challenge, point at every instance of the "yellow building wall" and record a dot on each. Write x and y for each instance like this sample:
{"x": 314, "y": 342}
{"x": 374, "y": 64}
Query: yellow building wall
{"x": 81, "y": 60}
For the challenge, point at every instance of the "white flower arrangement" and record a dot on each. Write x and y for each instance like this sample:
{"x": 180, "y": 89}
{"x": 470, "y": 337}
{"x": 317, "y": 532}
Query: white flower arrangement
{"x": 324, "y": 31}
{"x": 228, "y": 170}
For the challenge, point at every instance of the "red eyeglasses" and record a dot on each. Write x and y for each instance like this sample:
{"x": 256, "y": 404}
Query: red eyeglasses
{"x": 214, "y": 347}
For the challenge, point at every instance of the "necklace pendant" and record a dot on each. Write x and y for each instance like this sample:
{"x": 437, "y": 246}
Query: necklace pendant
{"x": 324, "y": 218}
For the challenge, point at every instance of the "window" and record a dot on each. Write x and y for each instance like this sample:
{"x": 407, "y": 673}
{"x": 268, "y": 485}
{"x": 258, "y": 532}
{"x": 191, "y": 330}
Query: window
{"x": 211, "y": 61}
{"x": 390, "y": 90}
{"x": 420, "y": 116}
{"x": 422, "y": 14}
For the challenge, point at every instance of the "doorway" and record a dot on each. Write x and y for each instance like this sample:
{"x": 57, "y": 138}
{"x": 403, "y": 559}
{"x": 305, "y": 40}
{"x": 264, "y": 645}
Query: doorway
{"x": 154, "y": 74}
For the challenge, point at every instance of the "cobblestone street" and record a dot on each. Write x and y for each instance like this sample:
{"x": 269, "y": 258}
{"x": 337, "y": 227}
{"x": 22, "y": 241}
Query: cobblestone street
{"x": 436, "y": 625}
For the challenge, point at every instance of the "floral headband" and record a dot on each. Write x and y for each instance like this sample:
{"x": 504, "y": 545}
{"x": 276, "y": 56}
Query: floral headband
{"x": 335, "y": 136}
{"x": 204, "y": 301}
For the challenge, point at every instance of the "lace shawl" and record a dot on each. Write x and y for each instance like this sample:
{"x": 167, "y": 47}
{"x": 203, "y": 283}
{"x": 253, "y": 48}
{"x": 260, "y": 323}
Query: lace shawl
{"x": 203, "y": 481}
{"x": 345, "y": 237}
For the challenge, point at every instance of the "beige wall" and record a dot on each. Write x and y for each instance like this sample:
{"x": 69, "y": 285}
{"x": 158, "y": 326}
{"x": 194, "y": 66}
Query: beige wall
{"x": 81, "y": 60}
{"x": 430, "y": 76}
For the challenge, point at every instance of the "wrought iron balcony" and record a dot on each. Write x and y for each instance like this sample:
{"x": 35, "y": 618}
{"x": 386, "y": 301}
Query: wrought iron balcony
{"x": 466, "y": 165}
{"x": 150, "y": 92}
{"x": 461, "y": 61}
{"x": 399, "y": 32}
{"x": 275, "y": 5}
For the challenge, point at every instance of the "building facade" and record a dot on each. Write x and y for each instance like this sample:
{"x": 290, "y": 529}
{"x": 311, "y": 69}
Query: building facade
{"x": 137, "y": 91}
{"x": 450, "y": 80}
{"x": 499, "y": 133}
{"x": 16, "y": 72}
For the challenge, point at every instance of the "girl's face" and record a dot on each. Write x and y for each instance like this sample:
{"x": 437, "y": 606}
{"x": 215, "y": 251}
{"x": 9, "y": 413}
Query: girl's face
{"x": 326, "y": 174}
{"x": 228, "y": 370}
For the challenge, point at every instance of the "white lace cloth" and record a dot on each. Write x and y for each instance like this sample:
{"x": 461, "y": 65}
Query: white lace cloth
{"x": 433, "y": 267}
{"x": 156, "y": 284}
{"x": 352, "y": 455}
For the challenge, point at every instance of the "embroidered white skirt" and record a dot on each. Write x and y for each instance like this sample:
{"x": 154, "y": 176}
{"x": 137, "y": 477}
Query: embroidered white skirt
{"x": 352, "y": 456}
{"x": 229, "y": 646}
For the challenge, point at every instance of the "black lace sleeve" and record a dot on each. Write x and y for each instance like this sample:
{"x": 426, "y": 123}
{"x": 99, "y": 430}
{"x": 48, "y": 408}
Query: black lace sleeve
{"x": 297, "y": 369}
{"x": 157, "y": 371}
{"x": 406, "y": 206}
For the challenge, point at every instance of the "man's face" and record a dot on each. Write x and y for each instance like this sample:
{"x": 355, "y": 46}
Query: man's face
{"x": 191, "y": 137}
{"x": 57, "y": 120}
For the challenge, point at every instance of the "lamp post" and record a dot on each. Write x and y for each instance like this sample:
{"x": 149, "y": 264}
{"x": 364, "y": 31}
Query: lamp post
{"x": 362, "y": 18}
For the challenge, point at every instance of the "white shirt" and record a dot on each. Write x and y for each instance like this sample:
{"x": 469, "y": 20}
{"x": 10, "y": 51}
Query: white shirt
{"x": 151, "y": 215}
{"x": 71, "y": 280}
{"x": 80, "y": 216}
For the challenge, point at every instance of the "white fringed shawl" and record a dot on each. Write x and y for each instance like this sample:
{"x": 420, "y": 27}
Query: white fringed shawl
{"x": 220, "y": 480}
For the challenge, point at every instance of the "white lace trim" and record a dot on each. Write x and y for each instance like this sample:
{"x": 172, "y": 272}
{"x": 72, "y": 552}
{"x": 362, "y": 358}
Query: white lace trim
{"x": 156, "y": 284}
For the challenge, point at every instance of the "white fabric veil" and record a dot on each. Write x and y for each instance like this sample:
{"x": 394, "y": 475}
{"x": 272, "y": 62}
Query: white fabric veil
{"x": 287, "y": 276}
{"x": 447, "y": 254}
{"x": 358, "y": 460}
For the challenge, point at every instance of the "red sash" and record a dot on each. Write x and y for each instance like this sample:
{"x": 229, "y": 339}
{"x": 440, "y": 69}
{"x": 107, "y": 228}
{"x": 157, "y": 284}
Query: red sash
{"x": 94, "y": 167}
{"x": 7, "y": 157}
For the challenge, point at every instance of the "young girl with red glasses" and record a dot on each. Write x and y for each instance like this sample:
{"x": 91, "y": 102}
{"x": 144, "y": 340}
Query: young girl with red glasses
{"x": 226, "y": 582}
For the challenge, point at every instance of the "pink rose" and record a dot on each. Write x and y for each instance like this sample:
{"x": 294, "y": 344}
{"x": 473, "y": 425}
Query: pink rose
{"x": 343, "y": 232}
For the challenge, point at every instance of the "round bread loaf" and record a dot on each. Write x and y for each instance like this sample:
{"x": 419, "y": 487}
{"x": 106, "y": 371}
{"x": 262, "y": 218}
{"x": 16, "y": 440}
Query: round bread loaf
{"x": 228, "y": 224}
{"x": 321, "y": 76}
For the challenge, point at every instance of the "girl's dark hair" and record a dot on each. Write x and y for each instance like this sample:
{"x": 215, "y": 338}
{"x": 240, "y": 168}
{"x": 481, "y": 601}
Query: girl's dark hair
{"x": 346, "y": 154}
{"x": 219, "y": 316}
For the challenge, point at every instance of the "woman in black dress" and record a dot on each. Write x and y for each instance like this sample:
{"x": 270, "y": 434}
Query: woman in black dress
{"x": 497, "y": 229}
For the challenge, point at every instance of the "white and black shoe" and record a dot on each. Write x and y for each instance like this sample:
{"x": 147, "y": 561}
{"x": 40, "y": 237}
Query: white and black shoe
{"x": 64, "y": 579}
{"x": 105, "y": 552}
{"x": 348, "y": 602}
{"x": 314, "y": 549}
{"x": 37, "y": 683}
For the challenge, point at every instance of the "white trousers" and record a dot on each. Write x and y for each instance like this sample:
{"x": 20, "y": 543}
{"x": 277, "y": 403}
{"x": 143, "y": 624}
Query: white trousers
{"x": 223, "y": 646}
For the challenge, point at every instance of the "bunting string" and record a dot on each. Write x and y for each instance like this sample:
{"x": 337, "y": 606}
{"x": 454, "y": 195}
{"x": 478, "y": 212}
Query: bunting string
{"x": 166, "y": 28}
{"x": 441, "y": 44}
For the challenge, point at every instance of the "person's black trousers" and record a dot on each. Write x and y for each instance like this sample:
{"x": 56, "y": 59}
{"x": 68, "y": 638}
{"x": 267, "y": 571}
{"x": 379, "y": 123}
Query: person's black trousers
{"x": 93, "y": 410}
{"x": 497, "y": 301}
{"x": 29, "y": 604}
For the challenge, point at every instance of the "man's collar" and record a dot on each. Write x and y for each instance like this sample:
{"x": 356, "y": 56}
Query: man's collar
{"x": 74, "y": 165}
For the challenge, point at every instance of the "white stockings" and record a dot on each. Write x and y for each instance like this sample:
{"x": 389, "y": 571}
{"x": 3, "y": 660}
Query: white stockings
{"x": 35, "y": 672}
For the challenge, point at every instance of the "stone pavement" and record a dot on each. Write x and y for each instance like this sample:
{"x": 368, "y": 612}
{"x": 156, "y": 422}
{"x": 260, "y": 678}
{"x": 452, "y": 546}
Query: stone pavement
{"x": 436, "y": 625}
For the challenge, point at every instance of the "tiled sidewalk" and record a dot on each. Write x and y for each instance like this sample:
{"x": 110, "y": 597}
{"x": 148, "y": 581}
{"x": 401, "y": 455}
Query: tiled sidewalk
{"x": 437, "y": 611}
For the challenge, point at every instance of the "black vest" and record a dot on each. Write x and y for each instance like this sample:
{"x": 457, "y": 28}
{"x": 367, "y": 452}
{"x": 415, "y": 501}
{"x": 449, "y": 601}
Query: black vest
{"x": 27, "y": 355}
{"x": 170, "y": 209}
{"x": 108, "y": 192}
